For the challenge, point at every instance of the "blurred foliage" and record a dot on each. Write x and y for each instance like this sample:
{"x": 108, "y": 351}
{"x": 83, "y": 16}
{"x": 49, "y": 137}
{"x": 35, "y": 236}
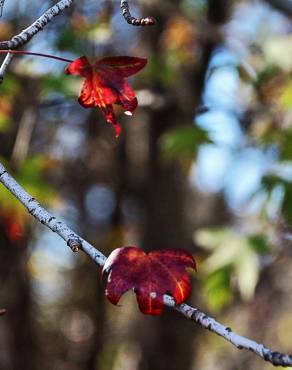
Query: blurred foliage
{"x": 8, "y": 92}
{"x": 286, "y": 96}
{"x": 60, "y": 85}
{"x": 183, "y": 142}
{"x": 233, "y": 264}
{"x": 31, "y": 176}
{"x": 160, "y": 69}
{"x": 196, "y": 8}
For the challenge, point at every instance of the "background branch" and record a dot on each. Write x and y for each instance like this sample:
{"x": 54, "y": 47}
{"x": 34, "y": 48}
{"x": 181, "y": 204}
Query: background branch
{"x": 75, "y": 242}
{"x": 24, "y": 36}
{"x": 23, "y": 136}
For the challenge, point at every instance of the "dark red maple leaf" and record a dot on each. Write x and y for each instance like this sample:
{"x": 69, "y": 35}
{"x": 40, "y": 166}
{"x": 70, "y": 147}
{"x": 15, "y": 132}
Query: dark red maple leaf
{"x": 105, "y": 84}
{"x": 150, "y": 276}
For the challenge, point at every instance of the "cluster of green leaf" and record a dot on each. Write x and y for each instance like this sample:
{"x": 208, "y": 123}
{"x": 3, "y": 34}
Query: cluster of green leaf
{"x": 233, "y": 264}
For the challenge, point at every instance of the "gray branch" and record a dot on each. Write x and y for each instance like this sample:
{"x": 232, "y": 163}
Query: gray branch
{"x": 75, "y": 242}
{"x": 240, "y": 342}
{"x": 44, "y": 217}
{"x": 145, "y": 21}
{"x": 24, "y": 36}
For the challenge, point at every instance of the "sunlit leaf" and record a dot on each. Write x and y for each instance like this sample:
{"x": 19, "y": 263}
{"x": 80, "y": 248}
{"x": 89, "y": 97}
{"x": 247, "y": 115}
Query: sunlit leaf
{"x": 105, "y": 84}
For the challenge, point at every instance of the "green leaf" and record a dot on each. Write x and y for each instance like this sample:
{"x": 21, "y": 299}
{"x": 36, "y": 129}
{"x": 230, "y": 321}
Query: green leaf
{"x": 267, "y": 73}
{"x": 259, "y": 244}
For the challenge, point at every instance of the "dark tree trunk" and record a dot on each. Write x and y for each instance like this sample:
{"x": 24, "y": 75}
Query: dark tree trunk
{"x": 167, "y": 341}
{"x": 17, "y": 340}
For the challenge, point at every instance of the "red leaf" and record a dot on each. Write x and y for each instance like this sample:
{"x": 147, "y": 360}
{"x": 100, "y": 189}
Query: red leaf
{"x": 150, "y": 276}
{"x": 2, "y": 311}
{"x": 105, "y": 84}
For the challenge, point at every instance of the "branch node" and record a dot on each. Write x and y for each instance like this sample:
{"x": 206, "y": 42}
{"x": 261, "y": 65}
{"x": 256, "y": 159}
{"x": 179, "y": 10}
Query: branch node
{"x": 74, "y": 244}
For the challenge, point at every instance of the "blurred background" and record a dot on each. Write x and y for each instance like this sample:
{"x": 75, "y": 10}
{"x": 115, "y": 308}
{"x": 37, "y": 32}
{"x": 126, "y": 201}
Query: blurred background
{"x": 205, "y": 164}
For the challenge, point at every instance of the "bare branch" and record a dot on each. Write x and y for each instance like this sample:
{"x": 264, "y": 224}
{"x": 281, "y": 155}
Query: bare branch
{"x": 4, "y": 66}
{"x": 24, "y": 36}
{"x": 75, "y": 242}
{"x": 146, "y": 21}
{"x": 240, "y": 342}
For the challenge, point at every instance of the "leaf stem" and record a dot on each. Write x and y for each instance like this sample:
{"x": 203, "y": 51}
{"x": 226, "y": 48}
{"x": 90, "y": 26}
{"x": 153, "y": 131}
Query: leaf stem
{"x": 24, "y": 52}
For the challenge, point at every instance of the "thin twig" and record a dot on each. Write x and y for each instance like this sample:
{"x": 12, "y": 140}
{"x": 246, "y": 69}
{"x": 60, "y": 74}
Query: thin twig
{"x": 194, "y": 314}
{"x": 24, "y": 36}
{"x": 43, "y": 55}
{"x": 4, "y": 66}
{"x": 145, "y": 21}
